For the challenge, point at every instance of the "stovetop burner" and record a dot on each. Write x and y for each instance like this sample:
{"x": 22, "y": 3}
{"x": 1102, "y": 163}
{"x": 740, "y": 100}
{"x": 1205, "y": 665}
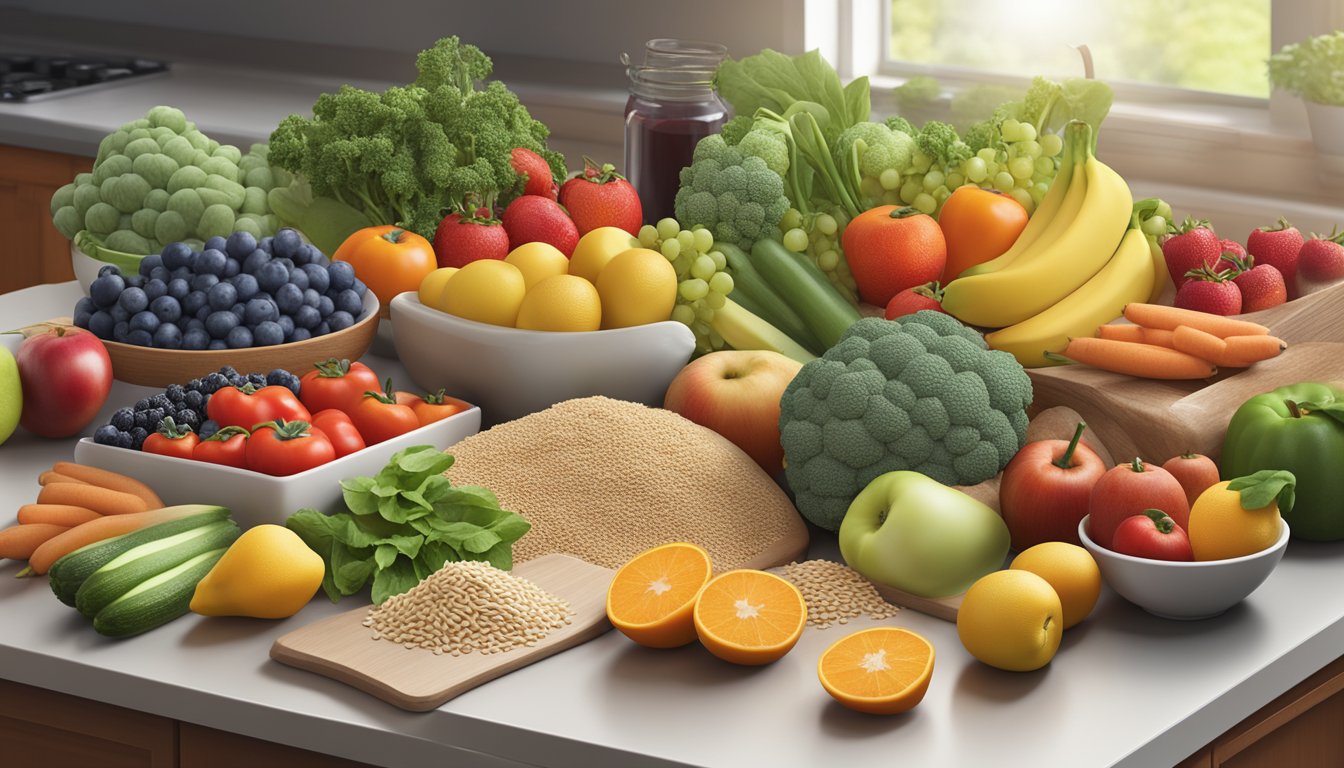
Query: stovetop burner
{"x": 31, "y": 77}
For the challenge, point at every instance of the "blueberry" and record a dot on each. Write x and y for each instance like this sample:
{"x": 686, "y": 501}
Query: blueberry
{"x": 264, "y": 244}
{"x": 175, "y": 255}
{"x": 222, "y": 295}
{"x": 195, "y": 338}
{"x": 288, "y": 263}
{"x": 123, "y": 419}
{"x": 340, "y": 275}
{"x": 106, "y": 435}
{"x": 193, "y": 323}
{"x": 188, "y": 417}
{"x": 239, "y": 338}
{"x": 180, "y": 273}
{"x": 124, "y": 440}
{"x": 322, "y": 329}
{"x": 311, "y": 254}
{"x": 193, "y": 399}
{"x": 288, "y": 298}
{"x": 215, "y": 243}
{"x": 133, "y": 300}
{"x": 148, "y": 264}
{"x": 168, "y": 336}
{"x": 178, "y": 288}
{"x": 101, "y": 324}
{"x": 194, "y": 301}
{"x": 286, "y": 243}
{"x": 348, "y": 301}
{"x": 138, "y": 436}
{"x": 280, "y": 377}
{"x": 203, "y": 312}
{"x": 259, "y": 310}
{"x": 232, "y": 267}
{"x": 190, "y": 266}
{"x": 140, "y": 338}
{"x": 203, "y": 282}
{"x": 81, "y": 318}
{"x": 240, "y": 244}
{"x": 218, "y": 325}
{"x": 211, "y": 262}
{"x": 318, "y": 277}
{"x": 108, "y": 269}
{"x": 239, "y": 309}
{"x": 257, "y": 380}
{"x": 144, "y": 321}
{"x": 85, "y": 304}
{"x": 340, "y": 320}
{"x": 119, "y": 314}
{"x": 312, "y": 298}
{"x": 325, "y": 306}
{"x": 286, "y": 325}
{"x": 166, "y": 309}
{"x": 307, "y": 317}
{"x": 254, "y": 260}
{"x": 268, "y": 333}
{"x": 155, "y": 288}
{"x": 163, "y": 273}
{"x": 301, "y": 334}
{"x": 106, "y": 290}
{"x": 135, "y": 281}
{"x": 272, "y": 275}
{"x": 208, "y": 428}
{"x": 298, "y": 277}
{"x": 216, "y": 381}
{"x": 246, "y": 286}
{"x": 216, "y": 344}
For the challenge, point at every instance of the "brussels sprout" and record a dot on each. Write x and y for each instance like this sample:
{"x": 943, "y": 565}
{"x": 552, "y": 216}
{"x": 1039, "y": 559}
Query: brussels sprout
{"x": 140, "y": 133}
{"x": 156, "y": 169}
{"x": 113, "y": 143}
{"x": 168, "y": 117}
{"x": 188, "y": 205}
{"x": 142, "y": 222}
{"x": 124, "y": 221}
{"x": 260, "y": 150}
{"x": 154, "y": 246}
{"x": 126, "y": 241}
{"x": 114, "y": 165}
{"x": 198, "y": 157}
{"x": 85, "y": 197}
{"x": 139, "y": 122}
{"x": 141, "y": 147}
{"x": 102, "y": 219}
{"x": 232, "y": 190}
{"x": 217, "y": 220}
{"x": 261, "y": 177}
{"x": 228, "y": 152}
{"x": 63, "y": 197}
{"x": 186, "y": 177}
{"x": 254, "y": 201}
{"x": 157, "y": 199}
{"x": 83, "y": 178}
{"x": 249, "y": 163}
{"x": 211, "y": 196}
{"x": 197, "y": 139}
{"x": 180, "y": 150}
{"x": 170, "y": 227}
{"x": 248, "y": 223}
{"x": 221, "y": 166}
{"x": 211, "y": 145}
{"x": 127, "y": 192}
{"x": 67, "y": 221}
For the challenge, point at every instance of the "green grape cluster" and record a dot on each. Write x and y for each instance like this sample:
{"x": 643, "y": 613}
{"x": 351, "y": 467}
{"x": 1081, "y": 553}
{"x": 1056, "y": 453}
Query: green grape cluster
{"x": 702, "y": 284}
{"x": 818, "y": 235}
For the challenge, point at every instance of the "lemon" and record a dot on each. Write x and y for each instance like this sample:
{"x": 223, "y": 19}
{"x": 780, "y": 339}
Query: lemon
{"x": 637, "y": 287}
{"x": 1220, "y": 528}
{"x": 538, "y": 261}
{"x": 597, "y": 248}
{"x": 431, "y": 288}
{"x": 268, "y": 573}
{"x": 561, "y": 303}
{"x": 1012, "y": 620}
{"x": 487, "y": 291}
{"x": 1070, "y": 570}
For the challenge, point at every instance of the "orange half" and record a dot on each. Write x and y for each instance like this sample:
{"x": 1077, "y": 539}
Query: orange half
{"x": 651, "y": 598}
{"x": 749, "y": 617}
{"x": 881, "y": 671}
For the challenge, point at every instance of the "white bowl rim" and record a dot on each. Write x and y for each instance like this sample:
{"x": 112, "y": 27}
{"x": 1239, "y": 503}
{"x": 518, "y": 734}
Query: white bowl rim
{"x": 412, "y": 298}
{"x": 1090, "y": 544}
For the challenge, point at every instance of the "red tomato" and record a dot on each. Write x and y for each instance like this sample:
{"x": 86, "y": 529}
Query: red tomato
{"x": 1129, "y": 489}
{"x": 380, "y": 417}
{"x": 437, "y": 407}
{"x": 1046, "y": 489}
{"x": 1154, "y": 535}
{"x": 171, "y": 440}
{"x": 1195, "y": 472}
{"x": 287, "y": 447}
{"x": 405, "y": 398}
{"x": 248, "y": 406}
{"x": 336, "y": 384}
{"x": 66, "y": 376}
{"x": 340, "y": 430}
{"x": 228, "y": 447}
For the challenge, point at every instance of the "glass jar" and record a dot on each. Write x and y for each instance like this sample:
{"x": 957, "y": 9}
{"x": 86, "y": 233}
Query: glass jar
{"x": 672, "y": 106}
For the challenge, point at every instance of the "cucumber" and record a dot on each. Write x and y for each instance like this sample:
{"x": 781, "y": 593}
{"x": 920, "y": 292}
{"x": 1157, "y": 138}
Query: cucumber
{"x": 799, "y": 283}
{"x": 157, "y": 601}
{"x": 69, "y": 572}
{"x": 756, "y": 296}
{"x": 137, "y": 565}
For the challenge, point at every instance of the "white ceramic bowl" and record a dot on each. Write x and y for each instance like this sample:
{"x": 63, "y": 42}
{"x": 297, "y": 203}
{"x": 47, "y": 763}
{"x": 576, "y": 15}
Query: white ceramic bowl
{"x": 511, "y": 372}
{"x": 1184, "y": 590}
{"x": 257, "y": 498}
{"x": 86, "y": 267}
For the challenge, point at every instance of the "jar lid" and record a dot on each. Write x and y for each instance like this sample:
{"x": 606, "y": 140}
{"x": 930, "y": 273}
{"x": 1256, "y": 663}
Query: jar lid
{"x": 666, "y": 52}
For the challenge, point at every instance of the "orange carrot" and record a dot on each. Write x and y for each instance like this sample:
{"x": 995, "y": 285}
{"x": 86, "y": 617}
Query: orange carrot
{"x": 1141, "y": 360}
{"x": 56, "y": 514}
{"x": 110, "y": 480}
{"x": 100, "y": 500}
{"x": 1193, "y": 341}
{"x": 49, "y": 477}
{"x": 1248, "y": 350}
{"x": 1120, "y": 332}
{"x": 1167, "y": 318}
{"x": 1158, "y": 337}
{"x": 100, "y": 529}
{"x": 20, "y": 541}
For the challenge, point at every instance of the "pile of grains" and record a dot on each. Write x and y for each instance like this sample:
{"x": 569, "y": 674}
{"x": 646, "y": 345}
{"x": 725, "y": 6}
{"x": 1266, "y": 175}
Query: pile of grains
{"x": 469, "y": 606}
{"x": 605, "y": 480}
{"x": 835, "y": 593}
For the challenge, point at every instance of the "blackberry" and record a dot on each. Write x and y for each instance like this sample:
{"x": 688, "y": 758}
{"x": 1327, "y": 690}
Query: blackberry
{"x": 229, "y": 371}
{"x": 155, "y": 416}
{"x": 106, "y": 435}
{"x": 138, "y": 436}
{"x": 188, "y": 417}
{"x": 175, "y": 392}
{"x": 142, "y": 405}
{"x": 124, "y": 440}
{"x": 282, "y": 378}
{"x": 194, "y": 400}
{"x": 256, "y": 379}
{"x": 214, "y": 382}
{"x": 123, "y": 419}
{"x": 140, "y": 420}
{"x": 194, "y": 385}
{"x": 237, "y": 380}
{"x": 161, "y": 402}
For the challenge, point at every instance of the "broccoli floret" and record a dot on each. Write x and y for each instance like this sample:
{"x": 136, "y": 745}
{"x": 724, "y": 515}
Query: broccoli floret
{"x": 155, "y": 168}
{"x": 67, "y": 221}
{"x": 168, "y": 117}
{"x": 125, "y": 192}
{"x": 865, "y": 150}
{"x": 170, "y": 227}
{"x": 186, "y": 177}
{"x": 939, "y": 141}
{"x": 738, "y": 198}
{"x": 769, "y": 146}
{"x": 901, "y": 125}
{"x": 734, "y": 130}
{"x": 922, "y": 393}
{"x": 126, "y": 241}
{"x": 216, "y": 220}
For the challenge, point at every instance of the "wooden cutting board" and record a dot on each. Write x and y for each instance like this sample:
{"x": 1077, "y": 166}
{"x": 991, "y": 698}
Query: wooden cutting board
{"x": 342, "y": 648}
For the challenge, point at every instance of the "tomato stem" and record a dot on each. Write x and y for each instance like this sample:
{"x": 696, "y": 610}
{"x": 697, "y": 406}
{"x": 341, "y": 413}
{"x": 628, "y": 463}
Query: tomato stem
{"x": 905, "y": 212}
{"x": 393, "y": 235}
{"x": 386, "y": 397}
{"x": 331, "y": 368}
{"x": 1161, "y": 520}
{"x": 1136, "y": 465}
{"x": 1066, "y": 461}
{"x": 435, "y": 398}
{"x": 225, "y": 433}
{"x": 287, "y": 430}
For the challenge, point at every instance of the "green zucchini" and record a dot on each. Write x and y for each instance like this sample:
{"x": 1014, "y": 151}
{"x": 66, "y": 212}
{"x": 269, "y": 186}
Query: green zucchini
{"x": 137, "y": 565}
{"x": 753, "y": 293}
{"x": 157, "y": 601}
{"x": 69, "y": 572}
{"x": 799, "y": 283}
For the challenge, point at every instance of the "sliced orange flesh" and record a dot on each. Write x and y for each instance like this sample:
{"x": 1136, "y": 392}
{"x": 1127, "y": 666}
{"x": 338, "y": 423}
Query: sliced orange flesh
{"x": 749, "y": 617}
{"x": 651, "y": 597}
{"x": 883, "y": 670}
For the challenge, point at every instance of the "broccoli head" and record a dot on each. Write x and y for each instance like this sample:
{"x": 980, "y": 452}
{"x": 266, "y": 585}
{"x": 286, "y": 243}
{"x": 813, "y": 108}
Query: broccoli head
{"x": 734, "y": 195}
{"x": 940, "y": 142}
{"x": 922, "y": 393}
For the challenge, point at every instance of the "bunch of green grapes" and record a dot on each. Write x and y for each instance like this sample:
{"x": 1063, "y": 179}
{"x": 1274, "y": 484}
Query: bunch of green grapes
{"x": 1023, "y": 167}
{"x": 702, "y": 284}
{"x": 818, "y": 236}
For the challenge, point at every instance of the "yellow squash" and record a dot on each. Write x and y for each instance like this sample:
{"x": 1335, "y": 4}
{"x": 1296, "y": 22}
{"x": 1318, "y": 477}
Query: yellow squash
{"x": 268, "y": 573}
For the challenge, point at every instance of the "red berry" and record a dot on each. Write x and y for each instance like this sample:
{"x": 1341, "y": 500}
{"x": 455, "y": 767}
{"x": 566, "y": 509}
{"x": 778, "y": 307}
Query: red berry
{"x": 1261, "y": 287}
{"x": 1277, "y": 246}
{"x": 1209, "y": 291}
{"x": 532, "y": 218}
{"x": 600, "y": 197}
{"x": 1232, "y": 250}
{"x": 458, "y": 241}
{"x": 912, "y": 300}
{"x": 539, "y": 181}
{"x": 1193, "y": 245}
{"x": 1321, "y": 259}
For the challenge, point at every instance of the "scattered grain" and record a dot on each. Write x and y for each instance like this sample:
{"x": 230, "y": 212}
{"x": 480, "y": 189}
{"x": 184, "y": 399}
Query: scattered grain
{"x": 469, "y": 606}
{"x": 835, "y": 593}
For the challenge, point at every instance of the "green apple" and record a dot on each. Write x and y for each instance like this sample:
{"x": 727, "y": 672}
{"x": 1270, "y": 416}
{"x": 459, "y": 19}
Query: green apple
{"x": 11, "y": 394}
{"x": 908, "y": 531}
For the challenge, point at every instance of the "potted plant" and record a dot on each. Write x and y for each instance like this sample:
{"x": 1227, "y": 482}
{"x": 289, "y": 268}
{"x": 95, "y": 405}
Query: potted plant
{"x": 1314, "y": 70}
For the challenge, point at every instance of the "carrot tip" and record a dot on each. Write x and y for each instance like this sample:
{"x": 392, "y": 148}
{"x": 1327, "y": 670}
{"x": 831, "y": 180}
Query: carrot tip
{"x": 25, "y": 573}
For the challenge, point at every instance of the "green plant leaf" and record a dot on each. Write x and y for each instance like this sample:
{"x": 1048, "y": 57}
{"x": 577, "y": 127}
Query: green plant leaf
{"x": 385, "y": 555}
{"x": 1331, "y": 410}
{"x": 393, "y": 580}
{"x": 1263, "y": 487}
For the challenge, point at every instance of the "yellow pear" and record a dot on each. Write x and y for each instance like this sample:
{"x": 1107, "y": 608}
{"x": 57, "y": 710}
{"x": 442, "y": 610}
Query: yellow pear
{"x": 268, "y": 573}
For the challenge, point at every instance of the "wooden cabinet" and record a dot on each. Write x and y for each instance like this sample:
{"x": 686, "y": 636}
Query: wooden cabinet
{"x": 44, "y": 728}
{"x": 32, "y": 251}
{"x": 208, "y": 748}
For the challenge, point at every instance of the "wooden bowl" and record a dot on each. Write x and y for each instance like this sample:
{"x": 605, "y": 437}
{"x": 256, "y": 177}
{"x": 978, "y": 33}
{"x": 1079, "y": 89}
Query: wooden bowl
{"x": 152, "y": 367}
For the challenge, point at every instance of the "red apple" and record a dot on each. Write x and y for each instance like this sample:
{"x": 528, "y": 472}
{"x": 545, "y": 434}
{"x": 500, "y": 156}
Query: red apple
{"x": 1046, "y": 488}
{"x": 736, "y": 393}
{"x": 1129, "y": 489}
{"x": 66, "y": 377}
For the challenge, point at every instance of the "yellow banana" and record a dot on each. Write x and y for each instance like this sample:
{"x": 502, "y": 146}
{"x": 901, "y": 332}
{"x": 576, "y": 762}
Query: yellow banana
{"x": 1039, "y": 279}
{"x": 1160, "y": 272}
{"x": 1127, "y": 277}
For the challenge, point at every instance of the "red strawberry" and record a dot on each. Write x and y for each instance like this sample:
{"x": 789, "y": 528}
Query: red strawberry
{"x": 536, "y": 172}
{"x": 1230, "y": 248}
{"x": 1191, "y": 246}
{"x": 1261, "y": 286}
{"x": 533, "y": 218}
{"x": 912, "y": 300}
{"x": 1209, "y": 291}
{"x": 1278, "y": 246}
{"x": 1322, "y": 258}
{"x": 601, "y": 197}
{"x": 463, "y": 238}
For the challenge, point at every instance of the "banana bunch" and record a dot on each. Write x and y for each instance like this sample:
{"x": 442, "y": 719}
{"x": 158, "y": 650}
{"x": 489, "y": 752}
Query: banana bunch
{"x": 1079, "y": 260}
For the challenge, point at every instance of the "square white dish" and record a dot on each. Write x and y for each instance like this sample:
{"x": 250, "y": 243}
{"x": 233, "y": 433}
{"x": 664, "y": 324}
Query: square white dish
{"x": 257, "y": 498}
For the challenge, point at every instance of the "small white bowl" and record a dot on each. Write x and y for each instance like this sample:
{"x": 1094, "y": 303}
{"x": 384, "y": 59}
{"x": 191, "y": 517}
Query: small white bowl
{"x": 86, "y": 267}
{"x": 511, "y": 372}
{"x": 1185, "y": 590}
{"x": 256, "y": 498}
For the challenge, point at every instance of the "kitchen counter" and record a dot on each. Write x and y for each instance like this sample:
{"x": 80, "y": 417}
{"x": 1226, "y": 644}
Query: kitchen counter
{"x": 1127, "y": 689}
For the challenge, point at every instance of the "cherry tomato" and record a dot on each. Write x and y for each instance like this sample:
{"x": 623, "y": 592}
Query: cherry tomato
{"x": 287, "y": 447}
{"x": 340, "y": 430}
{"x": 227, "y": 447}
{"x": 379, "y": 417}
{"x": 1153, "y": 535}
{"x": 248, "y": 406}
{"x": 437, "y": 407}
{"x": 172, "y": 439}
{"x": 390, "y": 260}
{"x": 336, "y": 384}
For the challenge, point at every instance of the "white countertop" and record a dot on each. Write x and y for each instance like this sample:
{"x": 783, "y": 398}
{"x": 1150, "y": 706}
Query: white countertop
{"x": 1127, "y": 689}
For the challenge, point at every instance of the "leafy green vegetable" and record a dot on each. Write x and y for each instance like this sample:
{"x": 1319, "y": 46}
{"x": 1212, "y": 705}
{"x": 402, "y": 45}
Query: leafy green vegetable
{"x": 403, "y": 524}
{"x": 1311, "y": 69}
{"x": 776, "y": 82}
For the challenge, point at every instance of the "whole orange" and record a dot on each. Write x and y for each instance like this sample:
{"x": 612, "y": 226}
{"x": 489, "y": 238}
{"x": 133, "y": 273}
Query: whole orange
{"x": 978, "y": 225}
{"x": 389, "y": 259}
{"x": 889, "y": 249}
